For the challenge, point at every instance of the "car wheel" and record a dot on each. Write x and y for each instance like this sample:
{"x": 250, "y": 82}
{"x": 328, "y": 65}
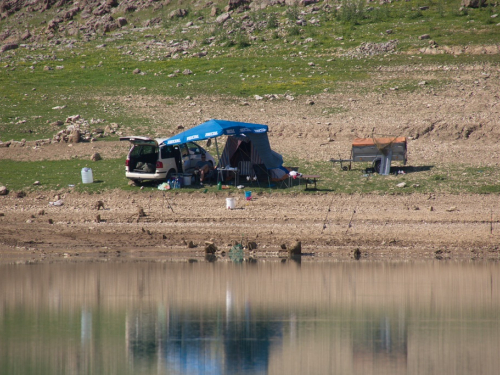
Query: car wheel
{"x": 170, "y": 173}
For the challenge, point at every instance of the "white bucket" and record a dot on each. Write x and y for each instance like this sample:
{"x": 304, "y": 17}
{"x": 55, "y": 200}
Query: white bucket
{"x": 187, "y": 179}
{"x": 230, "y": 203}
{"x": 87, "y": 177}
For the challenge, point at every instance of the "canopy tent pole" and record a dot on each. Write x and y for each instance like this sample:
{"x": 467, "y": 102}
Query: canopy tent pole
{"x": 217, "y": 148}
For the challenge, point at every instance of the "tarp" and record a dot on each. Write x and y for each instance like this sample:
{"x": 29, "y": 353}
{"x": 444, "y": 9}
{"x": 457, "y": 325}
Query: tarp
{"x": 215, "y": 128}
{"x": 377, "y": 141}
{"x": 256, "y": 133}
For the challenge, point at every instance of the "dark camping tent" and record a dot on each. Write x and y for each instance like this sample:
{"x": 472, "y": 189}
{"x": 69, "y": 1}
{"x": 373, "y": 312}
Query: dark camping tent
{"x": 247, "y": 146}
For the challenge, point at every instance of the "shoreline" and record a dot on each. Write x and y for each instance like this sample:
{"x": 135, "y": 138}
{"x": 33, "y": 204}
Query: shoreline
{"x": 382, "y": 228}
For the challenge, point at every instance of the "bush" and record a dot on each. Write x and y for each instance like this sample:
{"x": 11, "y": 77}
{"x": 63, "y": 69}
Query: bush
{"x": 272, "y": 21}
{"x": 351, "y": 11}
{"x": 294, "y": 31}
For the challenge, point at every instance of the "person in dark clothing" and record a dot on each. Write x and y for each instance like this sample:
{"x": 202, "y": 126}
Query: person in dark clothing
{"x": 203, "y": 167}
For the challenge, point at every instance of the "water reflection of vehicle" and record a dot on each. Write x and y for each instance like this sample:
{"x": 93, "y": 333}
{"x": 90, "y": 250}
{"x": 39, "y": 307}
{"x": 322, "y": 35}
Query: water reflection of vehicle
{"x": 207, "y": 342}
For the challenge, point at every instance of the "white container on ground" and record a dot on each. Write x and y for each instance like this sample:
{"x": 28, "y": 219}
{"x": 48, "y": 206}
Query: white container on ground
{"x": 87, "y": 177}
{"x": 187, "y": 180}
{"x": 230, "y": 204}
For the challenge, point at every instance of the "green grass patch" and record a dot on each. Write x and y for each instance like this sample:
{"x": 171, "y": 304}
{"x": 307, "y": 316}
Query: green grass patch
{"x": 63, "y": 175}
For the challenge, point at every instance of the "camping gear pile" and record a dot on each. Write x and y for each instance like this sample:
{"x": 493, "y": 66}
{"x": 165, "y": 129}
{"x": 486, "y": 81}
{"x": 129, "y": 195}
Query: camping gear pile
{"x": 247, "y": 151}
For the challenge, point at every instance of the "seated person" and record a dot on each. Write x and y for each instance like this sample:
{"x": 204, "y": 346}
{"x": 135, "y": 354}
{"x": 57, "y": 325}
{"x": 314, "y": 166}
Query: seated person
{"x": 203, "y": 167}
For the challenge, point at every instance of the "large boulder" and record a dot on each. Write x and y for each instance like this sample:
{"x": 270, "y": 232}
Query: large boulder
{"x": 223, "y": 18}
{"x": 8, "y": 46}
{"x": 178, "y": 13}
{"x": 4, "y": 190}
{"x": 74, "y": 136}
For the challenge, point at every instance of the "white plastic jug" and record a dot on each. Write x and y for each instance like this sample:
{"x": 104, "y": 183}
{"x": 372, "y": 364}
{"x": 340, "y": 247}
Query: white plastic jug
{"x": 87, "y": 177}
{"x": 230, "y": 203}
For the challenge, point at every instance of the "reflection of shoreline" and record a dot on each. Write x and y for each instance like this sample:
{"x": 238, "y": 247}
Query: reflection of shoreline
{"x": 425, "y": 287}
{"x": 345, "y": 318}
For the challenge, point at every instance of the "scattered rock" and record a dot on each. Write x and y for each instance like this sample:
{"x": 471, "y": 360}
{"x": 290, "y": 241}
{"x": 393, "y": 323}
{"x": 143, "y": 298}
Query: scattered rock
{"x": 74, "y": 136}
{"x": 8, "y": 47}
{"x": 296, "y": 249}
{"x": 140, "y": 212}
{"x": 473, "y": 3}
{"x": 214, "y": 11}
{"x": 401, "y": 185}
{"x": 121, "y": 21}
{"x": 26, "y": 35}
{"x": 20, "y": 194}
{"x": 96, "y": 157}
{"x": 4, "y": 190}
{"x": 98, "y": 205}
{"x": 178, "y": 13}
{"x": 356, "y": 254}
{"x": 371, "y": 49}
{"x": 223, "y": 18}
{"x": 191, "y": 245}
{"x": 136, "y": 71}
{"x": 252, "y": 245}
{"x": 210, "y": 248}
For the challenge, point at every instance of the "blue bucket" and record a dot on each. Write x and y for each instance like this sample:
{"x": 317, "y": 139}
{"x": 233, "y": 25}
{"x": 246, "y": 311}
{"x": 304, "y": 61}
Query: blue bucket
{"x": 248, "y": 195}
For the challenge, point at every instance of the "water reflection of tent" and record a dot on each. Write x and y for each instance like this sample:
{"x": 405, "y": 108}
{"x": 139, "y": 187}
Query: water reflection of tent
{"x": 247, "y": 145}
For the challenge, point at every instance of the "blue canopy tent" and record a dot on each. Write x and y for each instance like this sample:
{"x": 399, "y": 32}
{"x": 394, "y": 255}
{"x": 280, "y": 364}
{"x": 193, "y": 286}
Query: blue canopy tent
{"x": 256, "y": 133}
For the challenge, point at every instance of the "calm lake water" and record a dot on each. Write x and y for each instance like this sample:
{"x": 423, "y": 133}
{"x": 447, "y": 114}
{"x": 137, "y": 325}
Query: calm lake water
{"x": 268, "y": 317}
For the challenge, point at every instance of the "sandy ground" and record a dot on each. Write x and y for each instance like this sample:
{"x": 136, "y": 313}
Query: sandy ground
{"x": 327, "y": 225}
{"x": 456, "y": 123}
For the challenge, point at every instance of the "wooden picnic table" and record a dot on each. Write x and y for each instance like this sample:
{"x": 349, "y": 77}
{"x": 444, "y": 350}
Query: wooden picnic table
{"x": 310, "y": 179}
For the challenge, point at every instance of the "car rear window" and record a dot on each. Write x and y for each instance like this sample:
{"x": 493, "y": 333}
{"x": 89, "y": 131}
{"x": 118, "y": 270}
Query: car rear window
{"x": 143, "y": 150}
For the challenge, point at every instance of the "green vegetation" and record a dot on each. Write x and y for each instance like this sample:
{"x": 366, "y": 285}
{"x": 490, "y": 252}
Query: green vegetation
{"x": 65, "y": 175}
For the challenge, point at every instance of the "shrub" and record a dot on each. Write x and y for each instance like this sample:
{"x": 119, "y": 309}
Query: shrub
{"x": 351, "y": 11}
{"x": 272, "y": 21}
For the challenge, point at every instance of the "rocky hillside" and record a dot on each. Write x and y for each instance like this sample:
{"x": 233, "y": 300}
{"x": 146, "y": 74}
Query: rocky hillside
{"x": 91, "y": 17}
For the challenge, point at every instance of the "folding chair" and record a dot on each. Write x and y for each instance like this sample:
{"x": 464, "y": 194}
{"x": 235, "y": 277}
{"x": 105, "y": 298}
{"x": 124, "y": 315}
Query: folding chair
{"x": 262, "y": 174}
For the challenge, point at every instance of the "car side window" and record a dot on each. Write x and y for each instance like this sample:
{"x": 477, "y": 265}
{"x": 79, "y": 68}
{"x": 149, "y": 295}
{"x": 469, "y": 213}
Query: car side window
{"x": 194, "y": 149}
{"x": 184, "y": 150}
{"x": 166, "y": 152}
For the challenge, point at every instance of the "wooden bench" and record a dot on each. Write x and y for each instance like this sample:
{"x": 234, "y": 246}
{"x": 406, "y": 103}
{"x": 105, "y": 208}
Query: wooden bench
{"x": 310, "y": 179}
